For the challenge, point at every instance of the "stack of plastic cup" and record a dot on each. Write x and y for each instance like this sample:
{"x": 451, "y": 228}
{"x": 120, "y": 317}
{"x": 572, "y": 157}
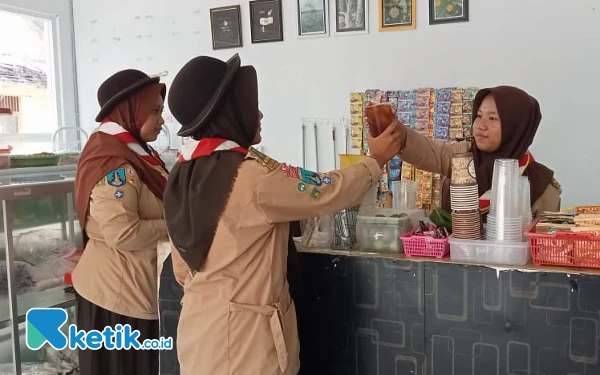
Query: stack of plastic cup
{"x": 404, "y": 195}
{"x": 504, "y": 221}
{"x": 526, "y": 214}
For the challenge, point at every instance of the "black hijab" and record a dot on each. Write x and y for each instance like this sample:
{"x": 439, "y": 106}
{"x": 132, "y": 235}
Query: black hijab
{"x": 203, "y": 185}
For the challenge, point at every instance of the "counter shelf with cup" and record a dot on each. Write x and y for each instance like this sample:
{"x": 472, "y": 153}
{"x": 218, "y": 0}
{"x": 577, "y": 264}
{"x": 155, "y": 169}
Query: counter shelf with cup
{"x": 502, "y": 241}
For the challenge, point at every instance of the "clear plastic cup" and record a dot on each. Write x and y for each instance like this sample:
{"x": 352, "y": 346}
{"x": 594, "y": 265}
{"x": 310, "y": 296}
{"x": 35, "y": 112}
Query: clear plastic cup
{"x": 505, "y": 197}
{"x": 404, "y": 195}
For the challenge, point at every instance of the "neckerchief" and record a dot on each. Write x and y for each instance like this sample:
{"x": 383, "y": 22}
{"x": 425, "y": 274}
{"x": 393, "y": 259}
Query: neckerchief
{"x": 193, "y": 149}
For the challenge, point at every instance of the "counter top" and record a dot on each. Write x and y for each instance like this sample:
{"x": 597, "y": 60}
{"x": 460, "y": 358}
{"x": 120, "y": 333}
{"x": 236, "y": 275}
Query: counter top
{"x": 403, "y": 257}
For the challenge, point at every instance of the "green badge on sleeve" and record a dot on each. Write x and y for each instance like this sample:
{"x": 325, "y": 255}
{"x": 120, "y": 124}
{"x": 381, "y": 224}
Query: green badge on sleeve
{"x": 315, "y": 193}
{"x": 301, "y": 187}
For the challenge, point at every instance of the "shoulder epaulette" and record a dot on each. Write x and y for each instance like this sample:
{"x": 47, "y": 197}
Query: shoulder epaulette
{"x": 556, "y": 184}
{"x": 265, "y": 160}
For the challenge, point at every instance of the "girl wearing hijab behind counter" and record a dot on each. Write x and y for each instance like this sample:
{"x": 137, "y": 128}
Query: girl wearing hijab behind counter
{"x": 118, "y": 197}
{"x": 505, "y": 122}
{"x": 228, "y": 209}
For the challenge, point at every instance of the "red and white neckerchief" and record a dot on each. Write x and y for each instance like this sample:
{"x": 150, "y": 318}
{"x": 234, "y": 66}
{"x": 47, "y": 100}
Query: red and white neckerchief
{"x": 112, "y": 128}
{"x": 193, "y": 149}
{"x": 484, "y": 200}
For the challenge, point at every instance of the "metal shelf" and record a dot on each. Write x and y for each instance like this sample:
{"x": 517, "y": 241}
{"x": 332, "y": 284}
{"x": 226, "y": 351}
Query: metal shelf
{"x": 24, "y": 172}
{"x": 26, "y": 190}
{"x": 53, "y": 297}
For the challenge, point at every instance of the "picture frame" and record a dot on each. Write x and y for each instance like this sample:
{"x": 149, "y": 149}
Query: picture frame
{"x": 266, "y": 23}
{"x": 225, "y": 25}
{"x": 397, "y": 15}
{"x": 313, "y": 18}
{"x": 448, "y": 11}
{"x": 351, "y": 17}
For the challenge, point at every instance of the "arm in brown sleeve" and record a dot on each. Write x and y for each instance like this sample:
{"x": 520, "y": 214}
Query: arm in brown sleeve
{"x": 289, "y": 193}
{"x": 429, "y": 155}
{"x": 115, "y": 208}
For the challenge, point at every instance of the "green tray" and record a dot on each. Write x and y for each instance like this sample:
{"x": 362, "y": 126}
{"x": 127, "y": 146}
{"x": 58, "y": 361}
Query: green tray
{"x": 26, "y": 161}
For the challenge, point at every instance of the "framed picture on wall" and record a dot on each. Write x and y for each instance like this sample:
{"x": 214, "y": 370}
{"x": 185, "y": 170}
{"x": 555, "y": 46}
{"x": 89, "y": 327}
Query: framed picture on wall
{"x": 351, "y": 16}
{"x": 397, "y": 15}
{"x": 266, "y": 24}
{"x": 447, "y": 11}
{"x": 225, "y": 25}
{"x": 313, "y": 16}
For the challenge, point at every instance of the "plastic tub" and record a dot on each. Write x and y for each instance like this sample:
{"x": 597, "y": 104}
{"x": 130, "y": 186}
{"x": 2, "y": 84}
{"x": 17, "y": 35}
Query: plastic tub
{"x": 383, "y": 233}
{"x": 490, "y": 252}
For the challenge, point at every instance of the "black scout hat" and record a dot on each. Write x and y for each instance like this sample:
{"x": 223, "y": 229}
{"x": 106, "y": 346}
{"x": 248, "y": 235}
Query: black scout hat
{"x": 197, "y": 91}
{"x": 121, "y": 85}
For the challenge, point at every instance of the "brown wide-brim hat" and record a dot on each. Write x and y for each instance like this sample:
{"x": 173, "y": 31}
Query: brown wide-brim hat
{"x": 122, "y": 85}
{"x": 197, "y": 91}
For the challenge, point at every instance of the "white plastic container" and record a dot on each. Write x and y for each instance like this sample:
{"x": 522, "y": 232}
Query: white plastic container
{"x": 490, "y": 252}
{"x": 375, "y": 233}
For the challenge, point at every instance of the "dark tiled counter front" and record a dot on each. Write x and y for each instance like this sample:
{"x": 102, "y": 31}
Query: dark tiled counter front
{"x": 376, "y": 314}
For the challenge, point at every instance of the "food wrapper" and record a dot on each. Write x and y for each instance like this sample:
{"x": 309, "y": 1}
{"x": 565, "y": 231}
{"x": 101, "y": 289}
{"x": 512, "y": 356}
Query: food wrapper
{"x": 469, "y": 93}
{"x": 356, "y": 109}
{"x": 593, "y": 209}
{"x": 357, "y": 121}
{"x": 456, "y": 96}
{"x": 408, "y": 172}
{"x": 356, "y": 143}
{"x": 356, "y": 97}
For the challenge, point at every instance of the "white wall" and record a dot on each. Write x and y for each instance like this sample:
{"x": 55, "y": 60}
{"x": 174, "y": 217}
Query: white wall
{"x": 551, "y": 50}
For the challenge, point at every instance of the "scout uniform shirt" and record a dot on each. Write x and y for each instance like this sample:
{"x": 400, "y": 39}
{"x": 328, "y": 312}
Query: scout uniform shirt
{"x": 237, "y": 316}
{"x": 436, "y": 157}
{"x": 117, "y": 270}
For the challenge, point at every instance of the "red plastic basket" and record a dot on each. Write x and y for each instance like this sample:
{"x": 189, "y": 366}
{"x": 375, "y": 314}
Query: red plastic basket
{"x": 424, "y": 246}
{"x": 564, "y": 248}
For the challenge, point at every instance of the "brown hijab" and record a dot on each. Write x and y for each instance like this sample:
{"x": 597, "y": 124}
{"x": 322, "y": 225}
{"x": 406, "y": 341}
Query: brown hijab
{"x": 104, "y": 153}
{"x": 520, "y": 117}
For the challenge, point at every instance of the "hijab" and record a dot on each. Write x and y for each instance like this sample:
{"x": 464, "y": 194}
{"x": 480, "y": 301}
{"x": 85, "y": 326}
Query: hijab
{"x": 198, "y": 190}
{"x": 520, "y": 117}
{"x": 104, "y": 153}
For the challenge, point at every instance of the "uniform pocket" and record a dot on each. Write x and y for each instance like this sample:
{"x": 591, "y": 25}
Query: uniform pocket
{"x": 259, "y": 336}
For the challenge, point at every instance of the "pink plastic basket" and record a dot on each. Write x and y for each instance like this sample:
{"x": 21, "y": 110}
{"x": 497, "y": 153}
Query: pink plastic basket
{"x": 423, "y": 246}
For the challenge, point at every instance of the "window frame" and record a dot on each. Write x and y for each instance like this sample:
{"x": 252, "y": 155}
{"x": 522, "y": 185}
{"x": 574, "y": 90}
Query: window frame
{"x": 60, "y": 15}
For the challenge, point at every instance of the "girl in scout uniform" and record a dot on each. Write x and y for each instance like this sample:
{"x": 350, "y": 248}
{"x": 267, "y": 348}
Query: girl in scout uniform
{"x": 505, "y": 120}
{"x": 228, "y": 209}
{"x": 118, "y": 196}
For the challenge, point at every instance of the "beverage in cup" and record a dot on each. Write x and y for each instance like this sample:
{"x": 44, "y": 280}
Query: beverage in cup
{"x": 380, "y": 116}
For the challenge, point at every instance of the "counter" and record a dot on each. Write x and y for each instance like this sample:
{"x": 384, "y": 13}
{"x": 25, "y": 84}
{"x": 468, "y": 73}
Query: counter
{"x": 376, "y": 313}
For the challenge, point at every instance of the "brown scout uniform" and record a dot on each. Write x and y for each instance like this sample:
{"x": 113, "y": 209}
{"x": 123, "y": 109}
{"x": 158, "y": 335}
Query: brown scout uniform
{"x": 238, "y": 317}
{"x": 436, "y": 157}
{"x": 117, "y": 270}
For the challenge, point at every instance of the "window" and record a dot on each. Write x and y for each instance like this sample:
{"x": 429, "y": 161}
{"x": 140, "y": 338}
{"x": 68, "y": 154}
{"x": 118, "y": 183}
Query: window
{"x": 37, "y": 74}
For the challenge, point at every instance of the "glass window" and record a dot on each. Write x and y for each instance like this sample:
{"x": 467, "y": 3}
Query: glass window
{"x": 37, "y": 80}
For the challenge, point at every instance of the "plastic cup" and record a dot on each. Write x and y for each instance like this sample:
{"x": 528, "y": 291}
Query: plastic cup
{"x": 404, "y": 195}
{"x": 380, "y": 116}
{"x": 505, "y": 199}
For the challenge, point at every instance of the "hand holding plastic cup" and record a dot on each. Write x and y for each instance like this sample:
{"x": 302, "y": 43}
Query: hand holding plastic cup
{"x": 379, "y": 117}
